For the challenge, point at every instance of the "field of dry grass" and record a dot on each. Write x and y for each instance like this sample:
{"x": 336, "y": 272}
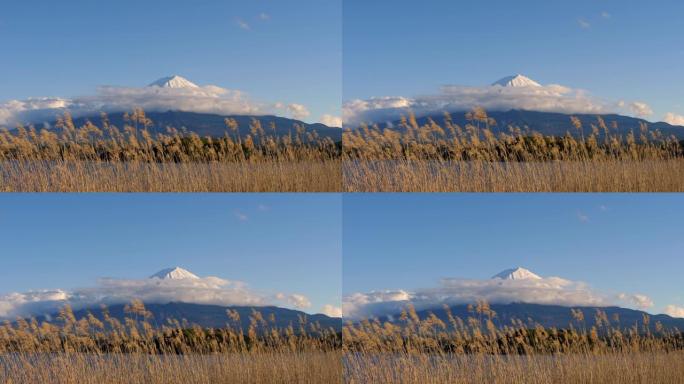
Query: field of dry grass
{"x": 88, "y": 176}
{"x": 475, "y": 350}
{"x": 75, "y": 368}
{"x": 535, "y": 369}
{"x": 131, "y": 159}
{"x": 449, "y": 158}
{"x": 108, "y": 350}
{"x": 553, "y": 176}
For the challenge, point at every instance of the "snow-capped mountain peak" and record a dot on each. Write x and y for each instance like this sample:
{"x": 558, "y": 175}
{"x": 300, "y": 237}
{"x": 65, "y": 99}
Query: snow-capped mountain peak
{"x": 517, "y": 81}
{"x": 174, "y": 81}
{"x": 516, "y": 274}
{"x": 176, "y": 273}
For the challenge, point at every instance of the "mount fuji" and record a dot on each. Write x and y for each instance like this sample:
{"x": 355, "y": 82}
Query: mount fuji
{"x": 516, "y": 81}
{"x": 203, "y": 124}
{"x": 516, "y": 274}
{"x": 173, "y": 81}
{"x": 189, "y": 313}
{"x": 176, "y": 273}
{"x": 547, "y": 315}
{"x": 546, "y": 123}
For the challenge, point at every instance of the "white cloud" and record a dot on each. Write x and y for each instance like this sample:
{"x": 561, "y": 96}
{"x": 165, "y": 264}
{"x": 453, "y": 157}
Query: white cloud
{"x": 298, "y": 111}
{"x": 264, "y": 16}
{"x": 674, "y": 119}
{"x": 547, "y": 290}
{"x": 640, "y": 109}
{"x": 299, "y": 301}
{"x": 242, "y": 24}
{"x": 637, "y": 300}
{"x": 241, "y": 216}
{"x": 583, "y": 24}
{"x": 296, "y": 300}
{"x": 204, "y": 290}
{"x": 204, "y": 99}
{"x": 331, "y": 310}
{"x": 456, "y": 98}
{"x": 606, "y": 15}
{"x": 331, "y": 121}
{"x": 674, "y": 311}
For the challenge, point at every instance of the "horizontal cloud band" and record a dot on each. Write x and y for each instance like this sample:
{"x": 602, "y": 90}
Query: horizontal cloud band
{"x": 206, "y": 99}
{"x": 206, "y": 290}
{"x": 455, "y": 98}
{"x": 549, "y": 290}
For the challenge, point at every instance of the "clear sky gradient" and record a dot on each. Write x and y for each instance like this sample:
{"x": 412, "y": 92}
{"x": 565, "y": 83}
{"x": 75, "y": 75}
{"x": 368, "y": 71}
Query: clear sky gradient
{"x": 614, "y": 242}
{"x": 273, "y": 242}
{"x": 287, "y": 51}
{"x": 614, "y": 49}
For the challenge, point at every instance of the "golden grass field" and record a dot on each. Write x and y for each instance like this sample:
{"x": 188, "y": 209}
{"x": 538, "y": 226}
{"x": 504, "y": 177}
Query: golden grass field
{"x": 72, "y": 368}
{"x": 618, "y": 368}
{"x": 474, "y": 350}
{"x": 130, "y": 159}
{"x": 91, "y": 350}
{"x": 450, "y": 158}
{"x": 87, "y": 176}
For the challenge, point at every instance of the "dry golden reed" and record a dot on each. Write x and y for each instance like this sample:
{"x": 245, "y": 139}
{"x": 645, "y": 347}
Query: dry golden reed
{"x": 106, "y": 158}
{"x": 446, "y": 157}
{"x": 106, "y": 350}
{"x": 478, "y": 349}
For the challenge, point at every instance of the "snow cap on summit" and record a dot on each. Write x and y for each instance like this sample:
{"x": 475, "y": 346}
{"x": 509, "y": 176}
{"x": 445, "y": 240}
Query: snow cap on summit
{"x": 176, "y": 273}
{"x": 516, "y": 274}
{"x": 174, "y": 81}
{"x": 516, "y": 81}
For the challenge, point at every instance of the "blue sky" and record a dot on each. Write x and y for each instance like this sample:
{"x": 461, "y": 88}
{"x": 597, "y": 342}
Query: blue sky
{"x": 614, "y": 49}
{"x": 272, "y": 50}
{"x": 614, "y": 242}
{"x": 273, "y": 242}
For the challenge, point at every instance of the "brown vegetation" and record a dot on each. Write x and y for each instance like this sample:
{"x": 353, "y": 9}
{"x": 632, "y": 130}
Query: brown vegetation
{"x": 447, "y": 157}
{"x": 91, "y": 158}
{"x": 93, "y": 350}
{"x": 474, "y": 350}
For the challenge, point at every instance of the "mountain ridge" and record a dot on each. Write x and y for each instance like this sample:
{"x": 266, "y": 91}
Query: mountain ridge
{"x": 213, "y": 125}
{"x": 205, "y": 315}
{"x": 550, "y": 316}
{"x": 549, "y": 123}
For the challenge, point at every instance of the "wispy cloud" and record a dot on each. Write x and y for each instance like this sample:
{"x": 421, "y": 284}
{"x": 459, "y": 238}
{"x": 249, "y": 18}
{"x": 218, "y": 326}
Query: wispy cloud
{"x": 606, "y": 15}
{"x": 582, "y": 217}
{"x": 583, "y": 24}
{"x": 242, "y": 24}
{"x": 241, "y": 216}
{"x": 264, "y": 16}
{"x": 108, "y": 291}
{"x": 638, "y": 300}
{"x": 263, "y": 207}
{"x": 641, "y": 109}
{"x": 451, "y": 291}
